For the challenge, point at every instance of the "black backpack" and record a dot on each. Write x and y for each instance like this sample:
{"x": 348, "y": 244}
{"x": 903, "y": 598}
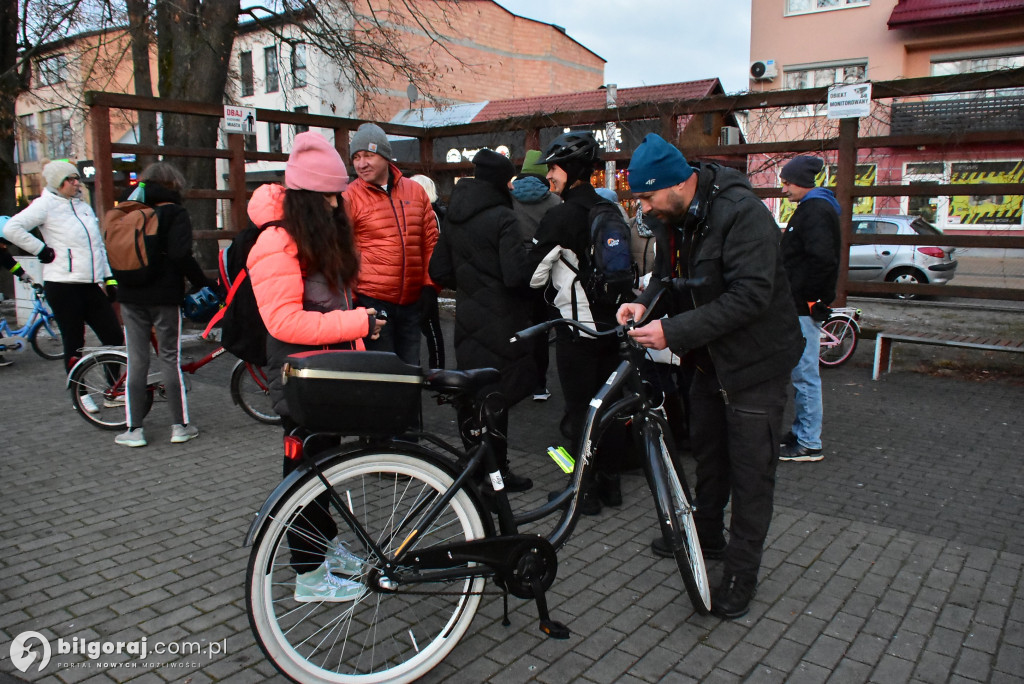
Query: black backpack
{"x": 243, "y": 332}
{"x": 609, "y": 272}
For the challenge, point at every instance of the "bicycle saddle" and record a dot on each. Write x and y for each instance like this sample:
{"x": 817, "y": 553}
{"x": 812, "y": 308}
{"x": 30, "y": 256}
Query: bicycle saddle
{"x": 463, "y": 380}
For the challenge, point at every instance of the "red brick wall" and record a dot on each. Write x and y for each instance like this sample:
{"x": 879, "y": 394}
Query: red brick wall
{"x": 493, "y": 55}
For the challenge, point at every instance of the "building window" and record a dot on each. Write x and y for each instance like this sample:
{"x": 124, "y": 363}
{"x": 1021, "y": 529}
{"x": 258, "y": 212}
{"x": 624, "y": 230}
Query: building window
{"x": 301, "y": 128}
{"x": 974, "y": 65}
{"x": 28, "y": 147}
{"x": 275, "y": 136}
{"x": 245, "y": 73}
{"x": 805, "y": 6}
{"x": 56, "y": 128}
{"x": 299, "y": 65}
{"x": 52, "y": 70}
{"x": 270, "y": 65}
{"x": 817, "y": 77}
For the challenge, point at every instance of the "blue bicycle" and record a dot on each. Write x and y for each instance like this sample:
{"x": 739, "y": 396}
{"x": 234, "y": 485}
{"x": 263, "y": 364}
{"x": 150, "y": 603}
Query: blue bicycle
{"x": 41, "y": 331}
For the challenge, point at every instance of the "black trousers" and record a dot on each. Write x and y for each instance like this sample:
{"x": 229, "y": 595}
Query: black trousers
{"x": 76, "y": 304}
{"x": 737, "y": 449}
{"x": 314, "y": 528}
{"x": 584, "y": 365}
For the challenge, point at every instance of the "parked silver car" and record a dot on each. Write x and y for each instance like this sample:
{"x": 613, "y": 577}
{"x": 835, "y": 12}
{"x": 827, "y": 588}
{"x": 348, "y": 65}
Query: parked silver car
{"x": 908, "y": 264}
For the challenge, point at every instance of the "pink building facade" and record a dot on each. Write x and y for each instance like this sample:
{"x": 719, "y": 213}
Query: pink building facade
{"x": 814, "y": 43}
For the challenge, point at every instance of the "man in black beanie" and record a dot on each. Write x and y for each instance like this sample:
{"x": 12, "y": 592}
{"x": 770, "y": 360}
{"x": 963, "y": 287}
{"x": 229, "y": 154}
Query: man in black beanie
{"x": 810, "y": 251}
{"x": 739, "y": 331}
{"x": 481, "y": 256}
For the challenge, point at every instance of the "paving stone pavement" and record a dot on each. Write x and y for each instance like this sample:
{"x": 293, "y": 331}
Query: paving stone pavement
{"x": 898, "y": 558}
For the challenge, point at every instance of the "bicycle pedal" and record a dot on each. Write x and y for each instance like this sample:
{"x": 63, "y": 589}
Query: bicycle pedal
{"x": 554, "y": 629}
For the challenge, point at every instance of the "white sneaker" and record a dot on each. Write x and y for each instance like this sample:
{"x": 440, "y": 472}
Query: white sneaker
{"x": 88, "y": 404}
{"x": 323, "y": 586}
{"x": 340, "y": 561}
{"x": 113, "y": 403}
{"x": 132, "y": 438}
{"x": 542, "y": 395}
{"x": 183, "y": 433}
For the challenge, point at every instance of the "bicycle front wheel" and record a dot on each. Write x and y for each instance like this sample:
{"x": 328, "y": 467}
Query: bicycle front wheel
{"x": 675, "y": 514}
{"x": 47, "y": 341}
{"x": 840, "y": 349}
{"x": 250, "y": 390}
{"x": 98, "y": 390}
{"x": 370, "y": 634}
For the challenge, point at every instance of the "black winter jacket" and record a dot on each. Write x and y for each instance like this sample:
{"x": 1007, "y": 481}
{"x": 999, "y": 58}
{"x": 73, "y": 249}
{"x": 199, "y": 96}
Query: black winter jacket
{"x": 810, "y": 251}
{"x": 175, "y": 236}
{"x": 743, "y": 317}
{"x": 481, "y": 256}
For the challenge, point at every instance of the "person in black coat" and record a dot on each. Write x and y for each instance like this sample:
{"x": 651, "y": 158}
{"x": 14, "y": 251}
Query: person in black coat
{"x": 156, "y": 306}
{"x": 481, "y": 256}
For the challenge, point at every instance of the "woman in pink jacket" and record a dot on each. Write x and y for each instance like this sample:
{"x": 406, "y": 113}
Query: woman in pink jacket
{"x": 302, "y": 268}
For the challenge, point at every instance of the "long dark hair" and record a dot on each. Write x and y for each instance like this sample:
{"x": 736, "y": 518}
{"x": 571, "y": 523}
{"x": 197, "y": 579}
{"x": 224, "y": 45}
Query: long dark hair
{"x": 324, "y": 237}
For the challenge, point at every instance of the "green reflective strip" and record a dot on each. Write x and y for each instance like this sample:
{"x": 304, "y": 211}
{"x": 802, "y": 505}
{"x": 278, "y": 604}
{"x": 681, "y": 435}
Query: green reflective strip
{"x": 562, "y": 457}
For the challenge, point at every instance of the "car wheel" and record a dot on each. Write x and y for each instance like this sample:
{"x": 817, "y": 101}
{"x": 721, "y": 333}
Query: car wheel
{"x": 906, "y": 276}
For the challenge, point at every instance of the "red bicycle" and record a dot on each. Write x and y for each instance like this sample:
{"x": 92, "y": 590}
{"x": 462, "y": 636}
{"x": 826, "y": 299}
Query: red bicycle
{"x": 98, "y": 383}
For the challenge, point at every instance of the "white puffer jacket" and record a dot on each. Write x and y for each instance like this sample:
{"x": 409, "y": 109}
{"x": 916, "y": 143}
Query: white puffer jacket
{"x": 70, "y": 228}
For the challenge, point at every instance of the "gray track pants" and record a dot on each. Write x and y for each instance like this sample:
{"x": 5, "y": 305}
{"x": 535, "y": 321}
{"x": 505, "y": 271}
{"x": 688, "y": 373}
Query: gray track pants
{"x": 165, "y": 320}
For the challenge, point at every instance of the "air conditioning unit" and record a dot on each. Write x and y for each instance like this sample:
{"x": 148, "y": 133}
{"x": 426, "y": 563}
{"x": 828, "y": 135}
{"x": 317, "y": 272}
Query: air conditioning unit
{"x": 763, "y": 70}
{"x": 730, "y": 135}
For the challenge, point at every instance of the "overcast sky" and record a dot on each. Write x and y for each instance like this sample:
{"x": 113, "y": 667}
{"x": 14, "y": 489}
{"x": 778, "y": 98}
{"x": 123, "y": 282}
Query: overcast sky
{"x": 648, "y": 42}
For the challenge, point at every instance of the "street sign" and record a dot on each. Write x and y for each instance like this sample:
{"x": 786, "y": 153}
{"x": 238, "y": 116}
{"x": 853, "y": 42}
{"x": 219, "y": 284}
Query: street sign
{"x": 849, "y": 101}
{"x": 240, "y": 119}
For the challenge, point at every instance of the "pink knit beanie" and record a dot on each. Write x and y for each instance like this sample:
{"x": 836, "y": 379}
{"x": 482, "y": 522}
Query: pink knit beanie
{"x": 315, "y": 165}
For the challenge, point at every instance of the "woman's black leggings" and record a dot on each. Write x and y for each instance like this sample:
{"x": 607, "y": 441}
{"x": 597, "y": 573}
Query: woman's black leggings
{"x": 76, "y": 304}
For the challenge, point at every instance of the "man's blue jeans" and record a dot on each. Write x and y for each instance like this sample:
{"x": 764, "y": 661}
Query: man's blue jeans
{"x": 401, "y": 334}
{"x": 807, "y": 386}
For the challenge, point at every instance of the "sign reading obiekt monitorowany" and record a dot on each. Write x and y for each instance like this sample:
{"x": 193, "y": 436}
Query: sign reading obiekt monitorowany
{"x": 849, "y": 101}
{"x": 240, "y": 119}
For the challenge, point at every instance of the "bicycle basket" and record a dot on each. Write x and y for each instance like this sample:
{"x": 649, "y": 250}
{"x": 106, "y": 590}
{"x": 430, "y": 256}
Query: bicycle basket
{"x": 359, "y": 393}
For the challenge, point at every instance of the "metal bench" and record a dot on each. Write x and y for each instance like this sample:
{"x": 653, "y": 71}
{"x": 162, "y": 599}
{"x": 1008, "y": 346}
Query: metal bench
{"x": 884, "y": 340}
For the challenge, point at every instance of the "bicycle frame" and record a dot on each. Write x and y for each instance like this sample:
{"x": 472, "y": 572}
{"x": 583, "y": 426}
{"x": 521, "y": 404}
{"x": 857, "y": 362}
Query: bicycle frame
{"x": 40, "y": 315}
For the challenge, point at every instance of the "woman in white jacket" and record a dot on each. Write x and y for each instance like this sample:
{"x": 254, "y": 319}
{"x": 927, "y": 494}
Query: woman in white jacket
{"x": 73, "y": 257}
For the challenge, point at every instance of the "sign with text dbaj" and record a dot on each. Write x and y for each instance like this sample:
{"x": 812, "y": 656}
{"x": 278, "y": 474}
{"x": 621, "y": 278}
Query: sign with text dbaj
{"x": 240, "y": 119}
{"x": 849, "y": 101}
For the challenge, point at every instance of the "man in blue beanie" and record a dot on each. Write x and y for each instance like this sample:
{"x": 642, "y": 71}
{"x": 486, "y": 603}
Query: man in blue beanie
{"x": 738, "y": 329}
{"x": 810, "y": 251}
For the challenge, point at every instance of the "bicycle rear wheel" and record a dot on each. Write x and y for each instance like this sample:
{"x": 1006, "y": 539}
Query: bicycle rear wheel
{"x": 675, "y": 515}
{"x": 846, "y": 342}
{"x": 249, "y": 389}
{"x": 47, "y": 341}
{"x": 381, "y": 635}
{"x": 98, "y": 390}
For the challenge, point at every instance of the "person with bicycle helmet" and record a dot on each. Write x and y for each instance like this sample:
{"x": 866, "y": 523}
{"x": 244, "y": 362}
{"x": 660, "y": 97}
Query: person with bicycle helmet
{"x": 561, "y": 248}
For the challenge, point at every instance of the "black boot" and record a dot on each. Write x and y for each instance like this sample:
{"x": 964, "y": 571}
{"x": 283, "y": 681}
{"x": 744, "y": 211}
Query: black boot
{"x": 732, "y": 598}
{"x": 609, "y": 488}
{"x": 515, "y": 483}
{"x": 590, "y": 501}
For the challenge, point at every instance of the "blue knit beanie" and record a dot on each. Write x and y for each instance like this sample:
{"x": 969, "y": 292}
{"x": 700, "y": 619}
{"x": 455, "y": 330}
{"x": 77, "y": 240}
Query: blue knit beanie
{"x": 657, "y": 164}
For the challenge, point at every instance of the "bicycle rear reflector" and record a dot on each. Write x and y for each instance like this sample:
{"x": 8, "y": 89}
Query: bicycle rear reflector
{"x": 292, "y": 448}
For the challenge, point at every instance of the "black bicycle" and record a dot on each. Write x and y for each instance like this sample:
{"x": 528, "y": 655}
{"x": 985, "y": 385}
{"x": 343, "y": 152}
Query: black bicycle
{"x": 406, "y": 531}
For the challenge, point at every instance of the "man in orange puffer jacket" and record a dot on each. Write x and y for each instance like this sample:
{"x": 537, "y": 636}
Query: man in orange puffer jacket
{"x": 395, "y": 232}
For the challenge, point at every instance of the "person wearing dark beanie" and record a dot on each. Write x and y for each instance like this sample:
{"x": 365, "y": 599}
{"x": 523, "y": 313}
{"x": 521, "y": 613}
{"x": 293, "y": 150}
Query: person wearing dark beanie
{"x": 810, "y": 252}
{"x": 738, "y": 330}
{"x": 481, "y": 256}
{"x": 493, "y": 168}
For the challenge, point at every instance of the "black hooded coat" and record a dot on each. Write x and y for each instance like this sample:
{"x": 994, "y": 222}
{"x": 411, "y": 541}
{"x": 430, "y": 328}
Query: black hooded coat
{"x": 481, "y": 256}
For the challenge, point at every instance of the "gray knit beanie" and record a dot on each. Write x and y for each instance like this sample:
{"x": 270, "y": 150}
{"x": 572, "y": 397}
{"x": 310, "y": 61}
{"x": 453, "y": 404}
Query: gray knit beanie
{"x": 56, "y": 172}
{"x": 370, "y": 137}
